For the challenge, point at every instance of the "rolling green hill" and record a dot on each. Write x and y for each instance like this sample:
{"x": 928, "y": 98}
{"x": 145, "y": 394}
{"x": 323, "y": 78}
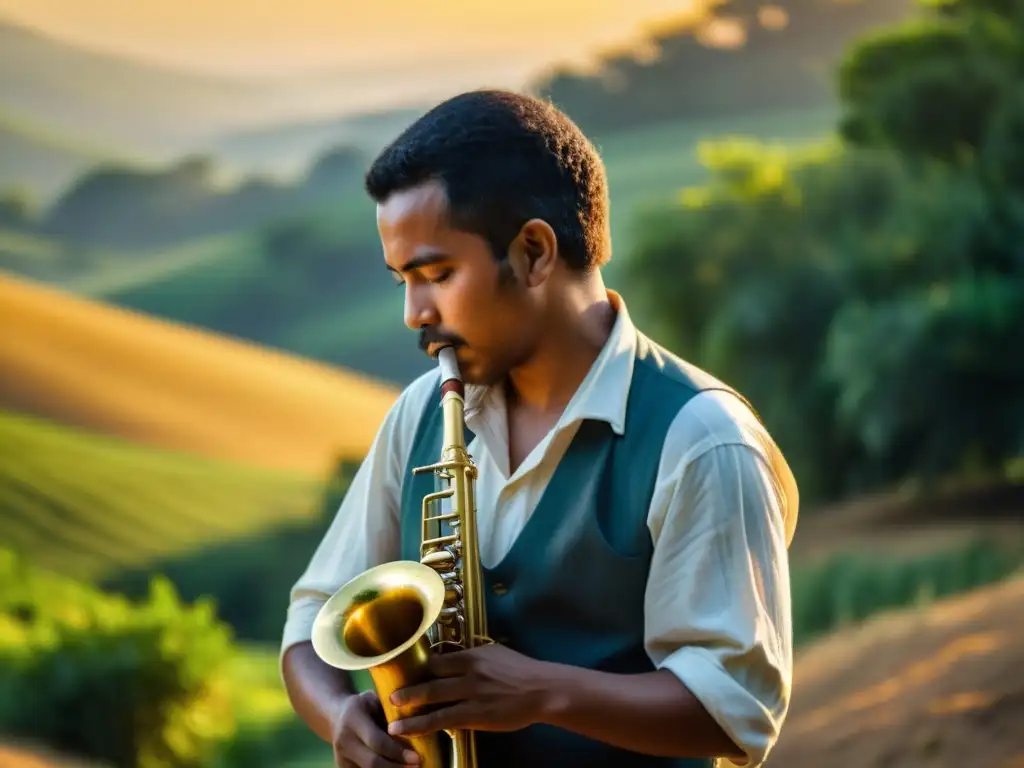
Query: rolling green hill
{"x": 87, "y": 505}
{"x": 228, "y": 285}
{"x": 116, "y": 99}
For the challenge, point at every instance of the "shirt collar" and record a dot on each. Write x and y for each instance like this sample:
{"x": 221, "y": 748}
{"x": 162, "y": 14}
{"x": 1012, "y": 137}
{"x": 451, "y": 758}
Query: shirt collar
{"x": 604, "y": 392}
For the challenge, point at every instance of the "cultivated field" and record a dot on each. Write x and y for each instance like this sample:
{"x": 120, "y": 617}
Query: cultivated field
{"x": 94, "y": 366}
{"x": 87, "y": 505}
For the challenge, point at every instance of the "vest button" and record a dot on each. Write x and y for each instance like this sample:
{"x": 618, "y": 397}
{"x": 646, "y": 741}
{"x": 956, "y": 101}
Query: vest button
{"x": 499, "y": 589}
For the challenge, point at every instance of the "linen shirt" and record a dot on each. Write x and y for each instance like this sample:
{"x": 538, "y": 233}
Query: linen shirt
{"x": 724, "y": 509}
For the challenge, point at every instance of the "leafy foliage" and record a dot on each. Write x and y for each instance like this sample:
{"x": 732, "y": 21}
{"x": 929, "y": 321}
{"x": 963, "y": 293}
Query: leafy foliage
{"x": 133, "y": 685}
{"x": 868, "y": 296}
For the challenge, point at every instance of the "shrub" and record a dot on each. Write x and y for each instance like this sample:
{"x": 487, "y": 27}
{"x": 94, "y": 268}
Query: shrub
{"x": 133, "y": 685}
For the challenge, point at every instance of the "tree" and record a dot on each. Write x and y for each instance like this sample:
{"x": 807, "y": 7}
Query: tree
{"x": 869, "y": 299}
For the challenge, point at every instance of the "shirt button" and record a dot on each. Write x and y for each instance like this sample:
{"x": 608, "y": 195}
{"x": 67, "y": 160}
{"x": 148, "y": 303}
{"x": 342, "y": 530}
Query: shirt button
{"x": 499, "y": 589}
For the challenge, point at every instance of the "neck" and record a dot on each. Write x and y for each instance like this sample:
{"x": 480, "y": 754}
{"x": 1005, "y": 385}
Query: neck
{"x": 578, "y": 329}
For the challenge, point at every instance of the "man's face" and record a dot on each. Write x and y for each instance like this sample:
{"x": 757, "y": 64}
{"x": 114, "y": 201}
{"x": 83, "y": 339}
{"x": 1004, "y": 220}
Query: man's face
{"x": 454, "y": 288}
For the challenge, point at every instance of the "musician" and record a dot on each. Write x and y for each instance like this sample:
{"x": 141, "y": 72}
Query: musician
{"x": 634, "y": 513}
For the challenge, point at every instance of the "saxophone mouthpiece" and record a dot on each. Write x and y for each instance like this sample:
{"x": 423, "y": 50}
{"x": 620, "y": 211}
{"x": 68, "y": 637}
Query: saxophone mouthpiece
{"x": 451, "y": 378}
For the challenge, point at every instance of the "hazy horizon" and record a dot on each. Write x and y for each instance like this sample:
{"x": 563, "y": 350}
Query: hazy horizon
{"x": 428, "y": 51}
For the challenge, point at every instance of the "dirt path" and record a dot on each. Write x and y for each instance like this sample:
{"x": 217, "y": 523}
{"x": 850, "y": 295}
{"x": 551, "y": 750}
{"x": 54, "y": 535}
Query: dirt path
{"x": 937, "y": 688}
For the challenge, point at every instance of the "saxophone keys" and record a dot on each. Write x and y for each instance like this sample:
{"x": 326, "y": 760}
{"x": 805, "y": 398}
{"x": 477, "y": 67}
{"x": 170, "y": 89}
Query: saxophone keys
{"x": 452, "y": 593}
{"x": 439, "y": 560}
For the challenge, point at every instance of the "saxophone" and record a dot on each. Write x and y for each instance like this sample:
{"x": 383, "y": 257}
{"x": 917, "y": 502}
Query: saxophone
{"x": 389, "y": 620}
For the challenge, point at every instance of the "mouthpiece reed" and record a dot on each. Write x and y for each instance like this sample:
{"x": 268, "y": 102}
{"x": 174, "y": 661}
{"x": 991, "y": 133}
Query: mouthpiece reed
{"x": 451, "y": 379}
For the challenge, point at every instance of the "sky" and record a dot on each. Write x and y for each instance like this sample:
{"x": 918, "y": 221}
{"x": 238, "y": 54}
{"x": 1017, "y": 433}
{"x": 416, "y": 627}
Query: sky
{"x": 271, "y": 37}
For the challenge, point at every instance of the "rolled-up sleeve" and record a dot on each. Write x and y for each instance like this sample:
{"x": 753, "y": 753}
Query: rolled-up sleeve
{"x": 718, "y": 599}
{"x": 365, "y": 531}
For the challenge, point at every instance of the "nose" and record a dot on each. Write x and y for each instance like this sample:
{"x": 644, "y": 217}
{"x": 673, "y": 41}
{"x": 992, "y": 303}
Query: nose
{"x": 419, "y": 308}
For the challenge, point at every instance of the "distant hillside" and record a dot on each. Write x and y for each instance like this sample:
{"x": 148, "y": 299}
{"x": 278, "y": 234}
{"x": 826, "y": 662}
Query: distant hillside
{"x": 113, "y": 99}
{"x": 107, "y": 369}
{"x": 304, "y": 285}
{"x": 254, "y": 124}
{"x": 288, "y": 146}
{"x": 41, "y": 160}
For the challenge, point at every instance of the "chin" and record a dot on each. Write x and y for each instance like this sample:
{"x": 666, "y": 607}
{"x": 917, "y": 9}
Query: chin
{"x": 481, "y": 378}
{"x": 471, "y": 372}
{"x": 475, "y": 371}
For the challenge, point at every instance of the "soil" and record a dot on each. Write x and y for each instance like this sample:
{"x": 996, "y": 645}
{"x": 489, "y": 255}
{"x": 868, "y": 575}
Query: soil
{"x": 941, "y": 687}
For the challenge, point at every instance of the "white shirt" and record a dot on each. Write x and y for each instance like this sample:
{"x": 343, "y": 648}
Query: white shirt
{"x": 717, "y": 605}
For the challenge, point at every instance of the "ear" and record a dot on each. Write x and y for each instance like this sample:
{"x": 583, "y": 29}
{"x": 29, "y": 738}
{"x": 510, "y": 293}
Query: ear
{"x": 534, "y": 252}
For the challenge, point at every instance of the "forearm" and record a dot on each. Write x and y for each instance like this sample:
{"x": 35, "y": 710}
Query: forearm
{"x": 651, "y": 713}
{"x": 315, "y": 688}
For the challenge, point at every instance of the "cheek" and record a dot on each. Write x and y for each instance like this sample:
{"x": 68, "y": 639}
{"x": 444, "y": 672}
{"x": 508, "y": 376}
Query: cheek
{"x": 468, "y": 307}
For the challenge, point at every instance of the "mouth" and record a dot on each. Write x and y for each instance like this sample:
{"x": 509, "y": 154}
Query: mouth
{"x": 434, "y": 349}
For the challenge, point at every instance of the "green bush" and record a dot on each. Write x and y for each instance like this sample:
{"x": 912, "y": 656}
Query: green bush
{"x": 868, "y": 298}
{"x": 132, "y": 685}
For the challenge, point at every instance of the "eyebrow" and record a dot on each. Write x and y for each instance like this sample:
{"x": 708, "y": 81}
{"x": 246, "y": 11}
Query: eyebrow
{"x": 426, "y": 260}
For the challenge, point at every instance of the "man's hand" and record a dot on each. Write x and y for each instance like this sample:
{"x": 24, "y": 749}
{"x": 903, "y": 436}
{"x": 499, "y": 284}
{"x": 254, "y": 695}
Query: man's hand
{"x": 489, "y": 688}
{"x": 359, "y": 738}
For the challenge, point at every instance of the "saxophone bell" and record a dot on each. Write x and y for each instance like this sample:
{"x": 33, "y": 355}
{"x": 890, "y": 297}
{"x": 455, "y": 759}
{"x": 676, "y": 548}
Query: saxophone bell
{"x": 391, "y": 618}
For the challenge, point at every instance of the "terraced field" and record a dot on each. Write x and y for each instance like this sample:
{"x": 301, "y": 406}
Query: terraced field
{"x": 87, "y": 506}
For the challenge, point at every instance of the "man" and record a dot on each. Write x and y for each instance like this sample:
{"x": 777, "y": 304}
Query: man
{"x": 634, "y": 514}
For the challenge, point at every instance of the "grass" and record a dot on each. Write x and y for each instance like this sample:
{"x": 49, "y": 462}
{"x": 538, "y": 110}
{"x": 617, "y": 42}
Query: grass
{"x": 87, "y": 506}
{"x": 849, "y": 587}
{"x": 176, "y": 388}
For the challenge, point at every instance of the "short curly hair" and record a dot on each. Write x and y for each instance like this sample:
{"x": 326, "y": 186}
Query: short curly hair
{"x": 504, "y": 158}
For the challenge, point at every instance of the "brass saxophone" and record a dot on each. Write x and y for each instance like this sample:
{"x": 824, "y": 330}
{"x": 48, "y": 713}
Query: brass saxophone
{"x": 389, "y": 619}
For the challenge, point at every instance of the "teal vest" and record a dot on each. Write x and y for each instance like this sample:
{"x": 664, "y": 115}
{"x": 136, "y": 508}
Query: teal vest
{"x": 571, "y": 589}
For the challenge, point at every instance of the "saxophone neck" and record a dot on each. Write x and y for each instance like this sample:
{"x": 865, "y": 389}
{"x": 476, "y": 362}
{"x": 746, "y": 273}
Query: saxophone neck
{"x": 453, "y": 401}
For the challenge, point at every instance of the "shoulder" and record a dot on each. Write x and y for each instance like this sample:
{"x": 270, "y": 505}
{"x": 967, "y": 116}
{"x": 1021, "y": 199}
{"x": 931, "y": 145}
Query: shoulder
{"x": 714, "y": 436}
{"x": 714, "y": 418}
{"x": 717, "y": 441}
{"x": 702, "y": 411}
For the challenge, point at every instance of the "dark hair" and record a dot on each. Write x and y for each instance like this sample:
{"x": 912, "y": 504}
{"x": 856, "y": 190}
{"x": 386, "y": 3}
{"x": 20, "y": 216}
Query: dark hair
{"x": 505, "y": 158}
